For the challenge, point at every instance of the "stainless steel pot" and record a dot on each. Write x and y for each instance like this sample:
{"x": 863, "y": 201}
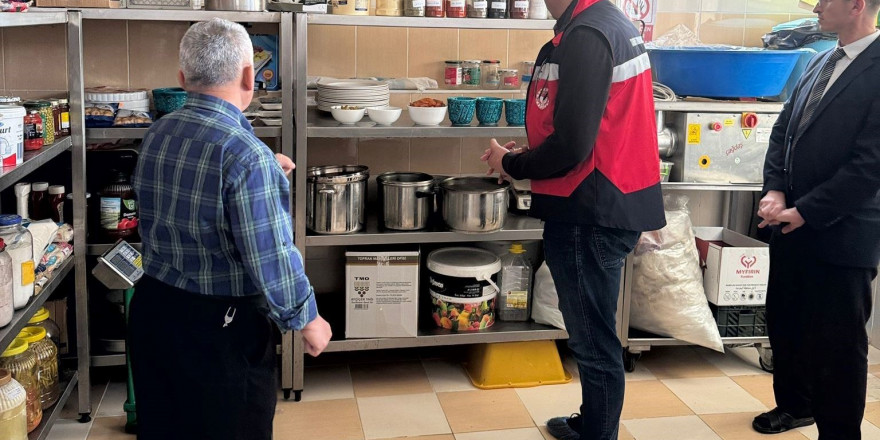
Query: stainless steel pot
{"x": 235, "y": 5}
{"x": 474, "y": 204}
{"x": 406, "y": 200}
{"x": 336, "y": 198}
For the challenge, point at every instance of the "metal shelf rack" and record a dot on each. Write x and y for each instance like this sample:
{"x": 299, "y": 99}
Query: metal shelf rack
{"x": 94, "y": 134}
{"x": 21, "y": 317}
{"x": 50, "y": 415}
{"x": 322, "y": 125}
{"x": 429, "y": 22}
{"x": 32, "y": 161}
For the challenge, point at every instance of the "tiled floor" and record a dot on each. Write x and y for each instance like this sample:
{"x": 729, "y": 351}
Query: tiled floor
{"x": 675, "y": 393}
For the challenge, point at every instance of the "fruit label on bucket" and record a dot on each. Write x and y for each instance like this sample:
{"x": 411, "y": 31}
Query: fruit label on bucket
{"x": 463, "y": 316}
{"x": 460, "y": 289}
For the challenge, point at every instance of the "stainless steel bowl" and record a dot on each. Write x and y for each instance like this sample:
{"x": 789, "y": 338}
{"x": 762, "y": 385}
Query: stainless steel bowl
{"x": 236, "y": 5}
{"x": 336, "y": 198}
{"x": 406, "y": 200}
{"x": 474, "y": 204}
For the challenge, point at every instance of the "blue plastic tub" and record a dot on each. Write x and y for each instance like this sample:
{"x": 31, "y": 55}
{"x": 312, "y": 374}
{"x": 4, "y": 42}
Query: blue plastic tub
{"x": 723, "y": 73}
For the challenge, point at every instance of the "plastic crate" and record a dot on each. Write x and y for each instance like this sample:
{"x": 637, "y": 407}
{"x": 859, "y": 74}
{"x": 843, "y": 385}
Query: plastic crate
{"x": 740, "y": 321}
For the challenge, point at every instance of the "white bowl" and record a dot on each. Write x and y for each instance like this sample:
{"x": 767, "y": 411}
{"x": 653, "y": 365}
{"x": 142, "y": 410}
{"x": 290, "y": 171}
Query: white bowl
{"x": 346, "y": 117}
{"x": 385, "y": 115}
{"x": 427, "y": 115}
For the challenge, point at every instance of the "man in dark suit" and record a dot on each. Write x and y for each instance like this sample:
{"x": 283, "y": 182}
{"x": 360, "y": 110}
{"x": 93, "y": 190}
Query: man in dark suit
{"x": 822, "y": 198}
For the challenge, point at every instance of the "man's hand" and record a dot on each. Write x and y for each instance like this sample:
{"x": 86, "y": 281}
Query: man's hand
{"x": 770, "y": 207}
{"x": 494, "y": 156}
{"x": 316, "y": 335}
{"x": 792, "y": 217}
{"x": 286, "y": 164}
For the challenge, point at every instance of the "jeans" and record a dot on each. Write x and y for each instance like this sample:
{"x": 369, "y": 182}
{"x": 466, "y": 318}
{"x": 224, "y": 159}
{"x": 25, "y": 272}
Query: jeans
{"x": 586, "y": 263}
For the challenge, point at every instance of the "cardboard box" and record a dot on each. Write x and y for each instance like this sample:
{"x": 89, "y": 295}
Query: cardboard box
{"x": 736, "y": 267}
{"x": 265, "y": 61}
{"x": 381, "y": 294}
{"x": 112, "y": 4}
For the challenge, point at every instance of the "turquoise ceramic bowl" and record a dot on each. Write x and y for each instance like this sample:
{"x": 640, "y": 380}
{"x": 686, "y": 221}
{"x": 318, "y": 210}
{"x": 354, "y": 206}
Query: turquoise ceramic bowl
{"x": 489, "y": 110}
{"x": 461, "y": 110}
{"x": 515, "y": 111}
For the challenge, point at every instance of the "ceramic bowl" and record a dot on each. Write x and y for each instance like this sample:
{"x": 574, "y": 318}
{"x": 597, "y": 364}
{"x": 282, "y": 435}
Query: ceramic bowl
{"x": 385, "y": 115}
{"x": 347, "y": 117}
{"x": 427, "y": 115}
{"x": 515, "y": 111}
{"x": 461, "y": 110}
{"x": 489, "y": 110}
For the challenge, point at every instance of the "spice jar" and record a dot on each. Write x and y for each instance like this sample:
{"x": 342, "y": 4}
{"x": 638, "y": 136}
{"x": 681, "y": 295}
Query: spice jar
{"x": 23, "y": 366}
{"x": 13, "y": 408}
{"x": 477, "y": 8}
{"x": 45, "y": 109}
{"x": 435, "y": 8}
{"x": 456, "y": 9}
{"x": 452, "y": 76}
{"x": 538, "y": 10}
{"x": 490, "y": 75}
{"x": 56, "y": 203}
{"x": 39, "y": 202}
{"x": 497, "y": 8}
{"x": 392, "y": 8}
{"x": 470, "y": 74}
{"x": 47, "y": 363}
{"x": 6, "y": 293}
{"x": 509, "y": 79}
{"x": 33, "y": 131}
{"x": 43, "y": 319}
{"x": 20, "y": 246}
{"x": 414, "y": 8}
{"x": 65, "y": 117}
{"x": 519, "y": 9}
{"x": 56, "y": 116}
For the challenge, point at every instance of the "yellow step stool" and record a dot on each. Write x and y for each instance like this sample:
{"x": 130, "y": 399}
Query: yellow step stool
{"x": 516, "y": 365}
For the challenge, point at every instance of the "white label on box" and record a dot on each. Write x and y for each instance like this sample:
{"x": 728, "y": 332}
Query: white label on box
{"x": 744, "y": 275}
{"x": 762, "y": 135}
{"x": 382, "y": 294}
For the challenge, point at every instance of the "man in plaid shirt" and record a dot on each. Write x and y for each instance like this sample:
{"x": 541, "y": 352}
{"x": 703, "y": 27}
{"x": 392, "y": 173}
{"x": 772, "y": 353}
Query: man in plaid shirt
{"x": 218, "y": 254}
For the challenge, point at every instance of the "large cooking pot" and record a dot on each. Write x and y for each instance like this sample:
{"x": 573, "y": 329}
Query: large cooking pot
{"x": 336, "y": 198}
{"x": 406, "y": 200}
{"x": 474, "y": 204}
{"x": 235, "y": 5}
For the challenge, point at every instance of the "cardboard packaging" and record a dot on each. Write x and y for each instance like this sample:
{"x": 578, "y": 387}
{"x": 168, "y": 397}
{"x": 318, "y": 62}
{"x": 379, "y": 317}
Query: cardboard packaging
{"x": 265, "y": 61}
{"x": 736, "y": 267}
{"x": 382, "y": 291}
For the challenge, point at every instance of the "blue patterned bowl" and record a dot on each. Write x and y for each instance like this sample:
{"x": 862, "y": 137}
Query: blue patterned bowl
{"x": 461, "y": 110}
{"x": 489, "y": 110}
{"x": 515, "y": 111}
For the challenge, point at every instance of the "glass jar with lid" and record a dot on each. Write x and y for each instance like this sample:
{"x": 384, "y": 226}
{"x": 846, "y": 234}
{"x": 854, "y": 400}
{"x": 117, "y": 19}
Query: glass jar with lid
{"x": 497, "y": 8}
{"x": 43, "y": 319}
{"x": 10, "y": 100}
{"x": 435, "y": 8}
{"x": 6, "y": 293}
{"x": 477, "y": 8}
{"x": 456, "y": 8}
{"x": 45, "y": 109}
{"x": 509, "y": 79}
{"x": 65, "y": 117}
{"x": 56, "y": 116}
{"x": 13, "y": 408}
{"x": 491, "y": 76}
{"x": 414, "y": 8}
{"x": 518, "y": 9}
{"x": 391, "y": 8}
{"x": 47, "y": 363}
{"x": 23, "y": 365}
{"x": 452, "y": 74}
{"x": 20, "y": 245}
{"x": 470, "y": 74}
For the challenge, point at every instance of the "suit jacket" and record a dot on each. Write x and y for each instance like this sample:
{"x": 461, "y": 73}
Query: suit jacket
{"x": 830, "y": 170}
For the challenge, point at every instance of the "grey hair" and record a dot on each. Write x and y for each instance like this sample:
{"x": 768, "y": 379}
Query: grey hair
{"x": 212, "y": 53}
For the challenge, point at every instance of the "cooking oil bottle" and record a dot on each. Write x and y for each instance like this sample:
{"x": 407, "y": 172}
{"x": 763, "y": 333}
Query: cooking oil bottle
{"x": 516, "y": 285}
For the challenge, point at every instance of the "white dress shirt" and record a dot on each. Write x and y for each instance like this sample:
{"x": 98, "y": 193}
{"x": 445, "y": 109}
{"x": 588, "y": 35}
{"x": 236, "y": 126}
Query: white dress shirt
{"x": 852, "y": 50}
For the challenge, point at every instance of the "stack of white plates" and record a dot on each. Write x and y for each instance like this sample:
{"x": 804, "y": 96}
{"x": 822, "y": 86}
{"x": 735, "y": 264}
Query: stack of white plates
{"x": 360, "y": 93}
{"x": 135, "y": 100}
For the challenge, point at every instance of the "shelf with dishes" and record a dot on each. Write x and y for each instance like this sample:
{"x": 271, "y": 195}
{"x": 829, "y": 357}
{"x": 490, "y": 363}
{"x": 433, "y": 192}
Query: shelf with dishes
{"x": 21, "y": 317}
{"x": 322, "y": 125}
{"x": 430, "y": 22}
{"x": 94, "y": 134}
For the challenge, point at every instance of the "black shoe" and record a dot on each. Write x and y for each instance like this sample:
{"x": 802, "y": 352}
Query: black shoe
{"x": 565, "y": 428}
{"x": 777, "y": 421}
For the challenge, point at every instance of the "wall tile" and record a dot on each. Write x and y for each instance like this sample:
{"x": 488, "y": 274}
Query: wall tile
{"x": 384, "y": 155}
{"x": 400, "y": 100}
{"x": 2, "y": 72}
{"x": 774, "y": 6}
{"x": 759, "y": 24}
{"x": 428, "y": 49}
{"x": 678, "y": 6}
{"x": 471, "y": 150}
{"x": 381, "y": 52}
{"x": 525, "y": 45}
{"x": 157, "y": 49}
{"x": 105, "y": 53}
{"x": 718, "y": 28}
{"x": 35, "y": 60}
{"x": 723, "y": 6}
{"x": 483, "y": 44}
{"x": 436, "y": 156}
{"x": 668, "y": 20}
{"x": 37, "y": 94}
{"x": 332, "y": 51}
{"x": 332, "y": 152}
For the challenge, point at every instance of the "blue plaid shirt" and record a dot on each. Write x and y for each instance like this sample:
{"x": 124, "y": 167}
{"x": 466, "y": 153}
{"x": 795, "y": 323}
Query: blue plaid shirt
{"x": 214, "y": 211}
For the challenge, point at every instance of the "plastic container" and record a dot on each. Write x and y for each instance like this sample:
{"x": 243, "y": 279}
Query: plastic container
{"x": 470, "y": 74}
{"x": 723, "y": 73}
{"x": 23, "y": 366}
{"x": 167, "y": 100}
{"x": 20, "y": 246}
{"x": 13, "y": 408}
{"x": 490, "y": 75}
{"x": 462, "y": 286}
{"x": 665, "y": 170}
{"x": 6, "y": 292}
{"x": 47, "y": 363}
{"x": 43, "y": 319}
{"x": 515, "y": 299}
{"x": 119, "y": 215}
{"x": 12, "y": 140}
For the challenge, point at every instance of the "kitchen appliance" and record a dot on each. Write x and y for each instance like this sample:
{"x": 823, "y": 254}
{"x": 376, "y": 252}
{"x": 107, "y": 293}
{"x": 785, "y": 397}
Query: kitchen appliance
{"x": 521, "y": 195}
{"x": 474, "y": 204}
{"x": 720, "y": 147}
{"x": 336, "y": 198}
{"x": 406, "y": 200}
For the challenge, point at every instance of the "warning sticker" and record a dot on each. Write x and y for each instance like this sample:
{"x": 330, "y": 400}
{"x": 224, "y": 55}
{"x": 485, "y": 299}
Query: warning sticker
{"x": 694, "y": 133}
{"x": 747, "y": 133}
{"x": 729, "y": 122}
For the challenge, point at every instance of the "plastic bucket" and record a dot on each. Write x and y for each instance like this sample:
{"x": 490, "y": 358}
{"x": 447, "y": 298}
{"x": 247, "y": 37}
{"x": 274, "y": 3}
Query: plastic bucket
{"x": 463, "y": 289}
{"x": 12, "y": 135}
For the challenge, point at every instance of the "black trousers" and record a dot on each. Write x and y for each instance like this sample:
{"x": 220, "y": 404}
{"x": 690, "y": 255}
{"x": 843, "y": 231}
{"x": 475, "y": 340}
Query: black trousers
{"x": 816, "y": 316}
{"x": 195, "y": 378}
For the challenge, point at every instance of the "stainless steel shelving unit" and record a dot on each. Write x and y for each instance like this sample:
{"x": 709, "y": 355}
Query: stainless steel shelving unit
{"x": 429, "y": 22}
{"x": 41, "y": 18}
{"x": 322, "y": 125}
{"x": 179, "y": 15}
{"x": 50, "y": 415}
{"x": 32, "y": 161}
{"x": 95, "y": 134}
{"x": 21, "y": 317}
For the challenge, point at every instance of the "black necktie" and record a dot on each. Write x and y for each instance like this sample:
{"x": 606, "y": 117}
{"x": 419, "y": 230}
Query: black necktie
{"x": 819, "y": 88}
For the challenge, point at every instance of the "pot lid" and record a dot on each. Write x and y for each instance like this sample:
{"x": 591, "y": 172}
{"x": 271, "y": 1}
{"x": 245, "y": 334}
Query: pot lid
{"x": 405, "y": 179}
{"x": 338, "y": 174}
{"x": 474, "y": 184}
{"x": 463, "y": 262}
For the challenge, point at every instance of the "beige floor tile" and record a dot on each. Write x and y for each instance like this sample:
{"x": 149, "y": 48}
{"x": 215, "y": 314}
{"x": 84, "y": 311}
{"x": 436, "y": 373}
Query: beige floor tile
{"x": 714, "y": 395}
{"x": 114, "y": 398}
{"x": 472, "y": 411}
{"x": 640, "y": 373}
{"x": 651, "y": 399}
{"x": 109, "y": 428}
{"x": 447, "y": 376}
{"x": 402, "y": 416}
{"x": 425, "y": 437}
{"x": 327, "y": 383}
{"x": 869, "y": 431}
{"x": 373, "y": 380}
{"x": 734, "y": 361}
{"x": 506, "y": 434}
{"x": 546, "y": 402}
{"x": 873, "y": 356}
{"x": 874, "y": 369}
{"x": 872, "y": 413}
{"x": 760, "y": 387}
{"x": 66, "y": 429}
{"x": 310, "y": 420}
{"x": 739, "y": 427}
{"x": 678, "y": 363}
{"x": 873, "y": 394}
{"x": 622, "y": 433}
{"x": 71, "y": 409}
{"x": 671, "y": 428}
